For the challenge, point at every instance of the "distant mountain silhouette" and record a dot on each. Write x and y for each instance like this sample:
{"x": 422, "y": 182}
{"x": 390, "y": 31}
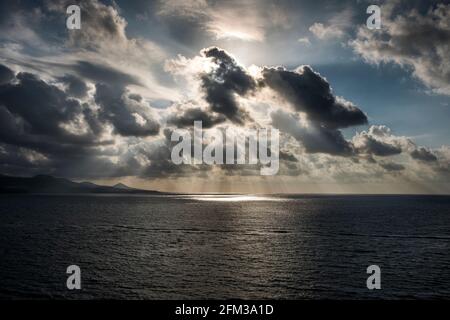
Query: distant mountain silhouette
{"x": 122, "y": 186}
{"x": 49, "y": 184}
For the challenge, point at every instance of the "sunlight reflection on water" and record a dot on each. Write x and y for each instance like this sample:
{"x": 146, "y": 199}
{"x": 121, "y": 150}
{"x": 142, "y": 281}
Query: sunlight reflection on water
{"x": 242, "y": 246}
{"x": 232, "y": 198}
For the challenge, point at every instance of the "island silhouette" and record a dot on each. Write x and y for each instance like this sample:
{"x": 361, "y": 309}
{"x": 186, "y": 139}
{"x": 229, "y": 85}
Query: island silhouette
{"x": 53, "y": 185}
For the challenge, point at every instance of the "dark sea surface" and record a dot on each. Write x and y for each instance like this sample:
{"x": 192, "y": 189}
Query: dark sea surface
{"x": 195, "y": 247}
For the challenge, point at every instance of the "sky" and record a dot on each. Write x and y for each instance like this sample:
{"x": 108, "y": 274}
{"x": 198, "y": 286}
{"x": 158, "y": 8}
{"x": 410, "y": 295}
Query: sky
{"x": 359, "y": 110}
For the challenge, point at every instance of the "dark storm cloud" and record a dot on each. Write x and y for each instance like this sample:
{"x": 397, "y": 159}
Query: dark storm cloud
{"x": 369, "y": 158}
{"x": 161, "y": 164}
{"x": 42, "y": 106}
{"x": 304, "y": 89}
{"x": 104, "y": 74}
{"x": 412, "y": 37}
{"x": 124, "y": 117}
{"x": 317, "y": 138}
{"x": 308, "y": 92}
{"x": 33, "y": 114}
{"x": 185, "y": 23}
{"x": 224, "y": 82}
{"x": 35, "y": 117}
{"x": 20, "y": 161}
{"x": 287, "y": 156}
{"x": 15, "y": 131}
{"x": 423, "y": 154}
{"x": 369, "y": 145}
{"x": 392, "y": 166}
{"x": 135, "y": 97}
{"x": 188, "y": 31}
{"x": 92, "y": 166}
{"x": 324, "y": 140}
{"x": 91, "y": 118}
{"x": 75, "y": 86}
{"x": 14, "y": 159}
{"x": 44, "y": 130}
{"x": 101, "y": 23}
{"x": 6, "y": 74}
{"x": 314, "y": 138}
{"x": 188, "y": 116}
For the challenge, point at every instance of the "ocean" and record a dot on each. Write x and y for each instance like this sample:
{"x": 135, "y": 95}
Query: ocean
{"x": 222, "y": 247}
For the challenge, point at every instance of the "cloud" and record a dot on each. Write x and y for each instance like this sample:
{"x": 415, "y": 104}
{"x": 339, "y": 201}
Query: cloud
{"x": 102, "y": 41}
{"x": 379, "y": 141}
{"x": 366, "y": 143}
{"x": 226, "y": 80}
{"x": 214, "y": 77}
{"x": 392, "y": 166}
{"x": 336, "y": 26}
{"x": 14, "y": 159}
{"x": 223, "y": 81}
{"x": 314, "y": 138}
{"x": 413, "y": 39}
{"x": 325, "y": 32}
{"x": 308, "y": 92}
{"x": 305, "y": 41}
{"x": 20, "y": 22}
{"x": 129, "y": 117}
{"x": 101, "y": 24}
{"x": 287, "y": 156}
{"x": 423, "y": 154}
{"x": 46, "y": 130}
{"x": 74, "y": 86}
{"x": 103, "y": 74}
{"x": 185, "y": 118}
{"x": 443, "y": 155}
{"x": 42, "y": 106}
{"x": 81, "y": 103}
{"x": 158, "y": 163}
{"x": 233, "y": 19}
{"x": 6, "y": 74}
